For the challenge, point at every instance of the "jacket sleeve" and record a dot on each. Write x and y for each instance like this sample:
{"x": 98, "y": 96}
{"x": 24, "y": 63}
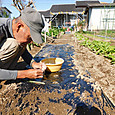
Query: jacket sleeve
{"x": 27, "y": 57}
{"x": 8, "y": 74}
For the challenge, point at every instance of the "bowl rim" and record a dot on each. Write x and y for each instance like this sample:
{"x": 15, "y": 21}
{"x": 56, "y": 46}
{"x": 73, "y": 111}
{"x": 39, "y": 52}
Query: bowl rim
{"x": 53, "y": 64}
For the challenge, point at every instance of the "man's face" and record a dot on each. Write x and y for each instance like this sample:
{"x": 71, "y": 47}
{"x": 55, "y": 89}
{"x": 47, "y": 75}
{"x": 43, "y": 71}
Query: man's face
{"x": 22, "y": 34}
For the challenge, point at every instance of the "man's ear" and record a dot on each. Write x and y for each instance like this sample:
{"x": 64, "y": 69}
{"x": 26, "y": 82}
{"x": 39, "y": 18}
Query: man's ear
{"x": 19, "y": 26}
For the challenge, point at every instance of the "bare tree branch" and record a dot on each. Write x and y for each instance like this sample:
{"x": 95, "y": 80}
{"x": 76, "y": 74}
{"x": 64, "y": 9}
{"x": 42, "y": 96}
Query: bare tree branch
{"x": 34, "y": 5}
{"x": 22, "y": 5}
{"x": 15, "y": 5}
{"x": 29, "y": 4}
{"x": 19, "y": 5}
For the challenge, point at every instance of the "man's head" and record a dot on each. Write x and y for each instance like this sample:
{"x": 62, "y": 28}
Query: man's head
{"x": 28, "y": 26}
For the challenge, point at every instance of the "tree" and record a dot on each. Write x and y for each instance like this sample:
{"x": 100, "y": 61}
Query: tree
{"x": 21, "y": 4}
{"x": 4, "y": 14}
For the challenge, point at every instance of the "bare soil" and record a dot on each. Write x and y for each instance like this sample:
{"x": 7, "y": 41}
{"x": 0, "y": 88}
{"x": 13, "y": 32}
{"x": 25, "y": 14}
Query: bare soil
{"x": 25, "y": 99}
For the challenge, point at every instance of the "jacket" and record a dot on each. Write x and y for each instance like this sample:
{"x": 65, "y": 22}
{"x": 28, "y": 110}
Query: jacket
{"x": 6, "y": 33}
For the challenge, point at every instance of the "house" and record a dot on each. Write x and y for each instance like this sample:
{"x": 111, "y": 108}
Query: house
{"x": 67, "y": 14}
{"x": 46, "y": 14}
{"x": 4, "y": 12}
{"x": 61, "y": 15}
{"x": 82, "y": 5}
{"x": 100, "y": 16}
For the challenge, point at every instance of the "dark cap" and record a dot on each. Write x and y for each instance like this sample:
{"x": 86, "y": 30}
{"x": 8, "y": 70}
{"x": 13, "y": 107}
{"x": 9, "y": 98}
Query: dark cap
{"x": 33, "y": 19}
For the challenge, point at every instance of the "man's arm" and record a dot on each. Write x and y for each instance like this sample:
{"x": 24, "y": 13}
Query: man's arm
{"x": 27, "y": 57}
{"x": 8, "y": 74}
{"x": 14, "y": 74}
{"x": 30, "y": 61}
{"x": 30, "y": 73}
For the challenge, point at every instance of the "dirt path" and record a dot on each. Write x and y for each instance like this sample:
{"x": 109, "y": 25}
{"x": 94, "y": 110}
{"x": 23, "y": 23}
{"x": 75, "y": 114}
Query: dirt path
{"x": 19, "y": 97}
{"x": 99, "y": 67}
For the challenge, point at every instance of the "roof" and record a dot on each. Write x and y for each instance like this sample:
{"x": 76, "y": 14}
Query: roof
{"x": 102, "y": 5}
{"x": 45, "y": 13}
{"x": 63, "y": 8}
{"x": 80, "y": 9}
{"x": 60, "y": 8}
{"x": 86, "y": 2}
{"x": 6, "y": 9}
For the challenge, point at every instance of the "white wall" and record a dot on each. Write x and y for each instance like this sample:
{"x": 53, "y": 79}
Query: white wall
{"x": 101, "y": 18}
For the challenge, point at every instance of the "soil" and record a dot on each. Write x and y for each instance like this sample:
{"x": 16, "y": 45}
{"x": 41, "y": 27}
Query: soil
{"x": 23, "y": 98}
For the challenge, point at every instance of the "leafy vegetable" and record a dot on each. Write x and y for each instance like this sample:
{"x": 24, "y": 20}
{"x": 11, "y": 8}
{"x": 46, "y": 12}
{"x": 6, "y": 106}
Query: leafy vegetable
{"x": 99, "y": 47}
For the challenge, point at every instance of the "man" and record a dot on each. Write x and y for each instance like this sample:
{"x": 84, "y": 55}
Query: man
{"x": 14, "y": 36}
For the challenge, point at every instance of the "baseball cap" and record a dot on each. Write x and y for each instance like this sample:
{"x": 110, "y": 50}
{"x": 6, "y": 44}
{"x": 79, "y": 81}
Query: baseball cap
{"x": 33, "y": 19}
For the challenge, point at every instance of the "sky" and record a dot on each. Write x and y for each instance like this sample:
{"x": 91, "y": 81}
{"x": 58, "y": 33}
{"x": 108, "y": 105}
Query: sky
{"x": 41, "y": 4}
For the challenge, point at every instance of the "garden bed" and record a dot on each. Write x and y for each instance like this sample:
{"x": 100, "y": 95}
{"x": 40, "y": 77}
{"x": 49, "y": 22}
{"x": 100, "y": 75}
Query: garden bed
{"x": 80, "y": 86}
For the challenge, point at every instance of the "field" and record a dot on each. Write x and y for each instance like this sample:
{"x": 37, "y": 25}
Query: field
{"x": 87, "y": 78}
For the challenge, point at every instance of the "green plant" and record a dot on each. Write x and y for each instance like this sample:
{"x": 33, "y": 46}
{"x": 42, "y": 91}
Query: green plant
{"x": 30, "y": 45}
{"x": 81, "y": 24}
{"x": 4, "y": 14}
{"x": 100, "y": 48}
{"x": 55, "y": 32}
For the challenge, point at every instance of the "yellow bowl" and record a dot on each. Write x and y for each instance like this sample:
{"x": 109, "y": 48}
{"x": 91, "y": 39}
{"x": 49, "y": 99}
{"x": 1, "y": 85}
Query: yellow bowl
{"x": 53, "y": 64}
